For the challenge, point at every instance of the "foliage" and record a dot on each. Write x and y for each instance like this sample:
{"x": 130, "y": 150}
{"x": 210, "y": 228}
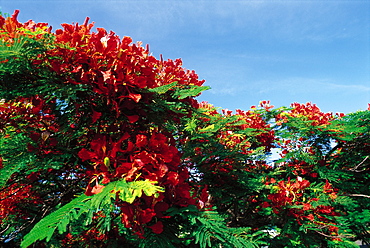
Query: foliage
{"x": 59, "y": 219}
{"x": 108, "y": 145}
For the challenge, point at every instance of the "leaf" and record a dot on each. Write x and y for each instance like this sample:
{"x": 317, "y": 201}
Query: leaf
{"x": 14, "y": 49}
{"x": 128, "y": 192}
{"x": 164, "y": 88}
{"x": 211, "y": 229}
{"x": 58, "y": 219}
{"x": 191, "y": 125}
{"x": 193, "y": 91}
{"x": 211, "y": 128}
{"x": 134, "y": 189}
{"x": 14, "y": 156}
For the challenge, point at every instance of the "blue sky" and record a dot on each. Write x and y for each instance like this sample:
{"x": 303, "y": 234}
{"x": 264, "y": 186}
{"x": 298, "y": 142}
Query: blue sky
{"x": 247, "y": 51}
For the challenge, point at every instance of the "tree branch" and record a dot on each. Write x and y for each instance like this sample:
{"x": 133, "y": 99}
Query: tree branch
{"x": 361, "y": 163}
{"x": 359, "y": 195}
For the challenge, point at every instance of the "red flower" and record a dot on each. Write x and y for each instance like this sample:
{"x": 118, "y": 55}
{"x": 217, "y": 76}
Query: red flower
{"x": 172, "y": 178}
{"x": 96, "y": 188}
{"x": 159, "y": 208}
{"x": 310, "y": 217}
{"x": 133, "y": 118}
{"x": 14, "y": 194}
{"x": 85, "y": 154}
{"x": 306, "y": 206}
{"x": 95, "y": 116}
{"x": 325, "y": 209}
{"x": 157, "y": 227}
{"x": 265, "y": 205}
{"x": 141, "y": 140}
{"x": 146, "y": 216}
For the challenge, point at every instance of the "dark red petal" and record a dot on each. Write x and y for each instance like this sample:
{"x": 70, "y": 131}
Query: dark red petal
{"x": 95, "y": 116}
{"x": 86, "y": 154}
{"x": 157, "y": 227}
{"x": 135, "y": 97}
{"x": 133, "y": 118}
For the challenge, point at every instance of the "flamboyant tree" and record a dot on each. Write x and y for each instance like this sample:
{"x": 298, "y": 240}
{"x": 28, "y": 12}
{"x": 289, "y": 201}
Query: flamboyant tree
{"x": 101, "y": 144}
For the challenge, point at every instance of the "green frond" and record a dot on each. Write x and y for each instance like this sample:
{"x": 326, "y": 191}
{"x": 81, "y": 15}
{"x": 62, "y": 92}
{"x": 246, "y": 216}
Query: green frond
{"x": 58, "y": 219}
{"x": 192, "y": 91}
{"x": 14, "y": 166}
{"x": 15, "y": 158}
{"x": 166, "y": 239}
{"x": 12, "y": 49}
{"x": 163, "y": 88}
{"x": 128, "y": 192}
{"x": 211, "y": 228}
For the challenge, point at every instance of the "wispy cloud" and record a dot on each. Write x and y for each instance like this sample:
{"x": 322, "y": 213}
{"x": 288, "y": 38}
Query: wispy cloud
{"x": 297, "y": 85}
{"x": 349, "y": 87}
{"x": 292, "y": 20}
{"x": 291, "y": 86}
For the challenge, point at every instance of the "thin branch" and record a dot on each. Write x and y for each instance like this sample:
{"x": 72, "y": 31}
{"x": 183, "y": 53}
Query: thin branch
{"x": 6, "y": 228}
{"x": 359, "y": 195}
{"x": 331, "y": 236}
{"x": 326, "y": 235}
{"x": 356, "y": 167}
{"x": 14, "y": 234}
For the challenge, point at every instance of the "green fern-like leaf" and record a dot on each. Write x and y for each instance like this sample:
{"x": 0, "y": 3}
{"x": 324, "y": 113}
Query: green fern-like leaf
{"x": 10, "y": 168}
{"x": 58, "y": 219}
{"x": 164, "y": 88}
{"x": 211, "y": 228}
{"x": 14, "y": 49}
{"x": 128, "y": 192}
{"x": 167, "y": 239}
{"x": 194, "y": 90}
{"x": 15, "y": 158}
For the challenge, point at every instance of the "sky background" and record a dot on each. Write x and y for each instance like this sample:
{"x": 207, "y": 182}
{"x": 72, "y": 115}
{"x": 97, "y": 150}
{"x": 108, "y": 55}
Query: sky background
{"x": 247, "y": 51}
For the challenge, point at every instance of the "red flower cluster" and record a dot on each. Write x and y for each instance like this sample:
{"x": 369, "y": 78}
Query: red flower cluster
{"x": 309, "y": 112}
{"x": 15, "y": 196}
{"x": 291, "y": 199}
{"x": 116, "y": 69}
{"x": 288, "y": 192}
{"x": 265, "y": 136}
{"x": 33, "y": 117}
{"x": 241, "y": 133}
{"x": 10, "y": 28}
{"x": 109, "y": 124}
{"x": 231, "y": 137}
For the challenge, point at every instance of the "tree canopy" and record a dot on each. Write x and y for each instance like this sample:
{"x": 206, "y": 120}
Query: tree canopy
{"x": 103, "y": 145}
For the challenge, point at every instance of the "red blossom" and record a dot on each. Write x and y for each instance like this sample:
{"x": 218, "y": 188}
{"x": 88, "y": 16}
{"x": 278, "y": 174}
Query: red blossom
{"x": 96, "y": 116}
{"x": 14, "y": 196}
{"x": 307, "y": 206}
{"x": 93, "y": 189}
{"x": 306, "y": 111}
{"x": 157, "y": 227}
{"x": 145, "y": 216}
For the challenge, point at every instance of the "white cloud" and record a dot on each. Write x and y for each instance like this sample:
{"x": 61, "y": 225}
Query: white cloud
{"x": 291, "y": 86}
{"x": 297, "y": 85}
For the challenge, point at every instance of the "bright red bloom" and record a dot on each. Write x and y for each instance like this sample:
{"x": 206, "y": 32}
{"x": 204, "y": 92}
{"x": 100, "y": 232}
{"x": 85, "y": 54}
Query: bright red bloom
{"x": 157, "y": 227}
{"x": 145, "y": 216}
{"x": 308, "y": 112}
{"x": 14, "y": 199}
